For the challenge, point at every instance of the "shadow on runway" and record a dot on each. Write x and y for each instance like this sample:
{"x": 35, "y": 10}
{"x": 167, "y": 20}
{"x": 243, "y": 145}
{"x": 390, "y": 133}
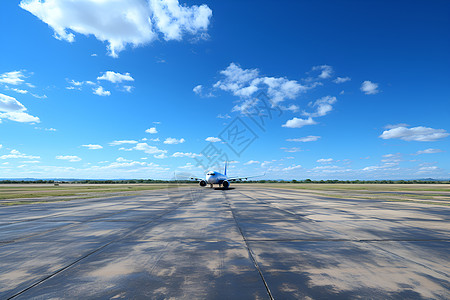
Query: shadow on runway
{"x": 223, "y": 189}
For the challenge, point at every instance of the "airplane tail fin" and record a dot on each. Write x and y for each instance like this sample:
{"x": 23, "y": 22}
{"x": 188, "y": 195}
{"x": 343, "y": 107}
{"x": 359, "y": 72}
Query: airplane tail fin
{"x": 225, "y": 173}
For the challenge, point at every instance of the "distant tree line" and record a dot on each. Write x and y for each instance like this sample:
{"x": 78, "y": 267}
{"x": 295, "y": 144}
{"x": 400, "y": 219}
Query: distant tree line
{"x": 137, "y": 181}
{"x": 93, "y": 181}
{"x": 355, "y": 181}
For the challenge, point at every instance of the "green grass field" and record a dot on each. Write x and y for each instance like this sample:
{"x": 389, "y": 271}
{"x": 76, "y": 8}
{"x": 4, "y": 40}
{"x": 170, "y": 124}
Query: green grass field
{"x": 437, "y": 194}
{"x": 10, "y": 193}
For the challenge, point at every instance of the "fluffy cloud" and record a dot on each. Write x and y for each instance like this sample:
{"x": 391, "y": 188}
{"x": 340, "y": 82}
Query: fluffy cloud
{"x": 298, "y": 123}
{"x": 293, "y": 167}
{"x": 172, "y": 141}
{"x": 14, "y": 78}
{"x": 291, "y": 150}
{"x": 225, "y": 116}
{"x": 16, "y": 154}
{"x": 325, "y": 71}
{"x": 71, "y": 158}
{"x": 420, "y": 134}
{"x": 101, "y": 92}
{"x": 115, "y": 77}
{"x": 244, "y": 83}
{"x": 198, "y": 89}
{"x": 122, "y": 142}
{"x": 120, "y": 23}
{"x": 186, "y": 154}
{"x": 160, "y": 156}
{"x": 341, "y": 79}
{"x": 152, "y": 130}
{"x": 92, "y": 146}
{"x": 148, "y": 149}
{"x": 323, "y": 106}
{"x": 213, "y": 139}
{"x": 13, "y": 110}
{"x": 309, "y": 138}
{"x": 429, "y": 151}
{"x": 369, "y": 87}
{"x": 325, "y": 160}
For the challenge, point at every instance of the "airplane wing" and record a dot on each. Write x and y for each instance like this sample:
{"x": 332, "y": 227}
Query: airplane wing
{"x": 196, "y": 178}
{"x": 244, "y": 178}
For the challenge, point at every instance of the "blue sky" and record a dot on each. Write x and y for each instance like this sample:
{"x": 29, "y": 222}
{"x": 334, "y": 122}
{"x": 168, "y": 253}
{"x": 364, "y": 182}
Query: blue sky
{"x": 143, "y": 89}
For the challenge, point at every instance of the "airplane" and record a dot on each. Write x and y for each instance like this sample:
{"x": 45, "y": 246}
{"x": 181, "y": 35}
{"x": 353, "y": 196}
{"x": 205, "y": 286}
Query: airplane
{"x": 213, "y": 177}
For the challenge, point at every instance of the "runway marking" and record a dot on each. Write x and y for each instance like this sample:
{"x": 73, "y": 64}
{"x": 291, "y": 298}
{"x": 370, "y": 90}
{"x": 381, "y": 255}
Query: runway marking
{"x": 369, "y": 242}
{"x": 250, "y": 252}
{"x": 75, "y": 223}
{"x": 180, "y": 204}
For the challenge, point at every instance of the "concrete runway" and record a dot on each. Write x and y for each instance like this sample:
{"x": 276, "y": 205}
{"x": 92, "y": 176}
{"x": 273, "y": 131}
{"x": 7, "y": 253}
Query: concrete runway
{"x": 240, "y": 243}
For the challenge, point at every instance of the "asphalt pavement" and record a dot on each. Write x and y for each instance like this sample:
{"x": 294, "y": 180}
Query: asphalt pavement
{"x": 242, "y": 243}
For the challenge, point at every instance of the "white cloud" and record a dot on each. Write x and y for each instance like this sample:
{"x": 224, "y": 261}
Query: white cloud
{"x": 341, "y": 79}
{"x": 213, "y": 139}
{"x": 71, "y": 158}
{"x": 198, "y": 89}
{"x": 293, "y": 108}
{"x": 13, "y": 110}
{"x": 160, "y": 156}
{"x": 116, "y": 143}
{"x": 323, "y": 106}
{"x": 369, "y": 87}
{"x": 152, "y": 130}
{"x": 420, "y": 133}
{"x": 250, "y": 162}
{"x": 120, "y": 23}
{"x": 325, "y": 160}
{"x": 293, "y": 167}
{"x": 427, "y": 169}
{"x": 429, "y": 151}
{"x": 298, "y": 123}
{"x": 244, "y": 83}
{"x": 14, "y": 78}
{"x": 225, "y": 116}
{"x": 390, "y": 126}
{"x": 115, "y": 77}
{"x": 101, "y": 92}
{"x": 121, "y": 159}
{"x": 325, "y": 71}
{"x": 186, "y": 154}
{"x": 30, "y": 162}
{"x": 19, "y": 91}
{"x": 16, "y": 154}
{"x": 128, "y": 88}
{"x": 1, "y": 146}
{"x": 148, "y": 149}
{"x": 309, "y": 138}
{"x": 76, "y": 83}
{"x": 291, "y": 150}
{"x": 172, "y": 141}
{"x": 92, "y": 146}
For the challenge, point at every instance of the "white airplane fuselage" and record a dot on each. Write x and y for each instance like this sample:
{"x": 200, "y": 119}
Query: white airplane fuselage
{"x": 215, "y": 178}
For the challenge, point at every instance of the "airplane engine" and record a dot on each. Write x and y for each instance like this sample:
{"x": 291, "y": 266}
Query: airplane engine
{"x": 225, "y": 184}
{"x": 202, "y": 183}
